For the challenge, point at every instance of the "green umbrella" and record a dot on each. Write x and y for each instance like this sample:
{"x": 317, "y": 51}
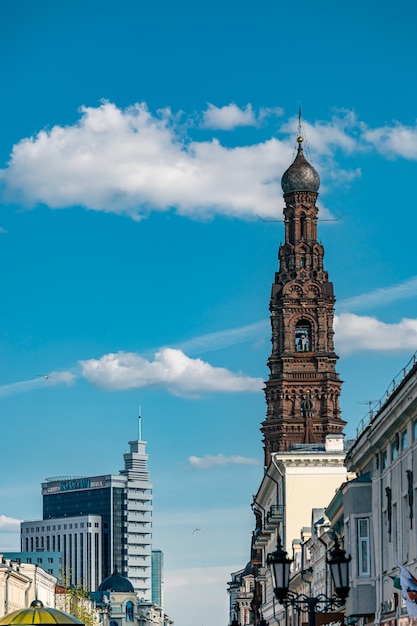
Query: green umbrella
{"x": 39, "y": 614}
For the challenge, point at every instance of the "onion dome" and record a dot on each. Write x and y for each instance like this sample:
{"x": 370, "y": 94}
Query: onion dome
{"x": 39, "y": 614}
{"x": 300, "y": 176}
{"x": 116, "y": 583}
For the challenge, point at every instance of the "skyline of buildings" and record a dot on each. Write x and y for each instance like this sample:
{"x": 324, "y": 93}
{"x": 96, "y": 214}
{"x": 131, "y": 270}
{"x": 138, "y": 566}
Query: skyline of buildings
{"x": 99, "y": 524}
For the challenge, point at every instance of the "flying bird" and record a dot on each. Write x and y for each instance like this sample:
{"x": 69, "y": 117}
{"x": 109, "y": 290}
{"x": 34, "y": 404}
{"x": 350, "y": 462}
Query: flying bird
{"x": 195, "y": 530}
{"x": 45, "y": 376}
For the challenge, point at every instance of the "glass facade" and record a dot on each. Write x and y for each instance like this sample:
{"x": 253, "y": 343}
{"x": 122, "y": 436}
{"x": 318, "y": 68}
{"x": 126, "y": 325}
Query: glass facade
{"x": 157, "y": 577}
{"x": 87, "y": 502}
{"x": 99, "y": 523}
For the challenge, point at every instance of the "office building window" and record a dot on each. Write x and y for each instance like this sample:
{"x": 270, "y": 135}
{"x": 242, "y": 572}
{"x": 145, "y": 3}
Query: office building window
{"x": 395, "y": 444}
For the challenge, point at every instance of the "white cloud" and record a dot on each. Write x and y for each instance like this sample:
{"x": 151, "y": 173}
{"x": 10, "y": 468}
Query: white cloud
{"x": 208, "y": 461}
{"x": 9, "y": 524}
{"x": 395, "y": 140}
{"x": 228, "y": 117}
{"x": 323, "y": 137}
{"x": 131, "y": 162}
{"x": 354, "y": 333}
{"x": 171, "y": 368}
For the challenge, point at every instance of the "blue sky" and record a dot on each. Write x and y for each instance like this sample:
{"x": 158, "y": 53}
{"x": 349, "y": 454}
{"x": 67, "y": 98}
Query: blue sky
{"x": 139, "y": 144}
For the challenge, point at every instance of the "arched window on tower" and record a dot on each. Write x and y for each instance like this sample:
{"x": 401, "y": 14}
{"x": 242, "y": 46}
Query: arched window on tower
{"x": 129, "y": 611}
{"x": 302, "y": 336}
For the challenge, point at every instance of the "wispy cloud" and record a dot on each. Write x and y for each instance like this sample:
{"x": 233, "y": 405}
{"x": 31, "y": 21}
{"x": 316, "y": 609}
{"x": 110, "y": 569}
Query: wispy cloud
{"x": 206, "y": 462}
{"x": 380, "y": 296}
{"x": 170, "y": 368}
{"x": 9, "y": 524}
{"x": 225, "y": 338}
{"x": 39, "y": 382}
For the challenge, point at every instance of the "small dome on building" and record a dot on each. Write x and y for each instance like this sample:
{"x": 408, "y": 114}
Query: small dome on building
{"x": 300, "y": 176}
{"x": 116, "y": 583}
{"x": 39, "y": 614}
{"x": 248, "y": 569}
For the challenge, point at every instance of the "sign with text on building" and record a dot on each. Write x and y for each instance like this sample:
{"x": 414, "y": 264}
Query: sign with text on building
{"x": 74, "y": 484}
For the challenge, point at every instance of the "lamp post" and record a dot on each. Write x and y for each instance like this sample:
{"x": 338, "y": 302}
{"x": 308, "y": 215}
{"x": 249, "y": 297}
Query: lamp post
{"x": 339, "y": 567}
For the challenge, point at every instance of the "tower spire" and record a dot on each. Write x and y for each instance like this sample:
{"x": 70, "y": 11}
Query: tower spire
{"x": 303, "y": 389}
{"x": 140, "y": 423}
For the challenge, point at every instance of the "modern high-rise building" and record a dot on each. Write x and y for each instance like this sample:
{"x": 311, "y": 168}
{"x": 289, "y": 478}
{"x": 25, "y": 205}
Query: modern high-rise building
{"x": 98, "y": 524}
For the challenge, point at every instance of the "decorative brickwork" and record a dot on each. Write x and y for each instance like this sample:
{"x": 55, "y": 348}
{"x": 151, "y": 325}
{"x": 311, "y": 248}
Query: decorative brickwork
{"x": 303, "y": 389}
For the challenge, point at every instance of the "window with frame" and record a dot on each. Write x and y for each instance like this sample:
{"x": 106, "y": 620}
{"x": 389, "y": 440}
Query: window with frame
{"x": 129, "y": 611}
{"x": 364, "y": 553}
{"x": 404, "y": 440}
{"x": 395, "y": 444}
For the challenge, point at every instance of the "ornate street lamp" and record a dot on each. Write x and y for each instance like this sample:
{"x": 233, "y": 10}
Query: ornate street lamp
{"x": 280, "y": 565}
{"x": 339, "y": 567}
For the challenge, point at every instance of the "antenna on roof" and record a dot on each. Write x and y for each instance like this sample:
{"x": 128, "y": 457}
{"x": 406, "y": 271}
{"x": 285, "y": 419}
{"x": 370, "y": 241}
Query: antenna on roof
{"x": 370, "y": 404}
{"x": 140, "y": 422}
{"x": 299, "y": 121}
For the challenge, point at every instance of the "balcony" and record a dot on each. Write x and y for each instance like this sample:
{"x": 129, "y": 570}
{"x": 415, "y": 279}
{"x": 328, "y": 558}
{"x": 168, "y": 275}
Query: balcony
{"x": 274, "y": 516}
{"x": 260, "y": 538}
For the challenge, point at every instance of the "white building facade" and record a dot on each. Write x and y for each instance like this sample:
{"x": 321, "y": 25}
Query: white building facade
{"x": 380, "y": 511}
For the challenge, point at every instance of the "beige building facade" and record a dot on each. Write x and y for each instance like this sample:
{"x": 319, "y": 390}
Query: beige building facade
{"x": 294, "y": 483}
{"x": 21, "y": 583}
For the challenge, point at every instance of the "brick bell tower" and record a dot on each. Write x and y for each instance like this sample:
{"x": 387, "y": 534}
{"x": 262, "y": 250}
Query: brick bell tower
{"x": 303, "y": 389}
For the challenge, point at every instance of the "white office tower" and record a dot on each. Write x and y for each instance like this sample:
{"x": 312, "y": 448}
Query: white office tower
{"x": 138, "y": 529}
